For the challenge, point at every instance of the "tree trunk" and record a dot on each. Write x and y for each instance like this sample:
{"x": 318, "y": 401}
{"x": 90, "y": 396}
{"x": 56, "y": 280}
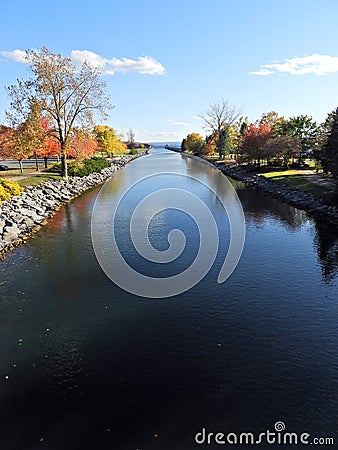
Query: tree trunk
{"x": 46, "y": 159}
{"x": 36, "y": 162}
{"x": 220, "y": 148}
{"x": 64, "y": 168}
{"x": 300, "y": 158}
{"x": 20, "y": 164}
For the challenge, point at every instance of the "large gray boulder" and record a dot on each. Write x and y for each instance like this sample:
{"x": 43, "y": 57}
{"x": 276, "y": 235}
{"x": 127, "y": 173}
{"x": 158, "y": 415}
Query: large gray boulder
{"x": 11, "y": 233}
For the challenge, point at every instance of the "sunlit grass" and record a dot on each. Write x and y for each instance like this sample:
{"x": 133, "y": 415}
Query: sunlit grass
{"x": 301, "y": 182}
{"x": 36, "y": 180}
{"x": 9, "y": 173}
{"x": 280, "y": 174}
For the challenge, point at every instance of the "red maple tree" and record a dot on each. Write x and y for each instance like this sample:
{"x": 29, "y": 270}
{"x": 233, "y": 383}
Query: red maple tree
{"x": 82, "y": 145}
{"x": 254, "y": 142}
{"x": 49, "y": 146}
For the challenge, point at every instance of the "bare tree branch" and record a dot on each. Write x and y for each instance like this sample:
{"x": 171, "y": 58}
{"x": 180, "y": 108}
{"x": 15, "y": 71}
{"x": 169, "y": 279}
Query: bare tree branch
{"x": 218, "y": 118}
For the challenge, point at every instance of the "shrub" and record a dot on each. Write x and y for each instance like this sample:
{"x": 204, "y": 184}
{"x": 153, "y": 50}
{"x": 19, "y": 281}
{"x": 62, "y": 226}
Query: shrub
{"x": 133, "y": 151}
{"x": 8, "y": 188}
{"x": 4, "y": 194}
{"x": 88, "y": 166}
{"x": 83, "y": 168}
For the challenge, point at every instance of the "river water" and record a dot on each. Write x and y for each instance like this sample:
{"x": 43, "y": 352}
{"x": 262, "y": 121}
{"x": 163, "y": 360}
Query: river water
{"x": 86, "y": 365}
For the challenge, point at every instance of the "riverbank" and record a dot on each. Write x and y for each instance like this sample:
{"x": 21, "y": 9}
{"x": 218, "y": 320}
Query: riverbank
{"x": 306, "y": 201}
{"x": 23, "y": 215}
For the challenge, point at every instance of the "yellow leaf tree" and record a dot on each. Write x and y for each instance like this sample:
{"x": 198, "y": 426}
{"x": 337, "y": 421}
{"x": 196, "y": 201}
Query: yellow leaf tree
{"x": 109, "y": 141}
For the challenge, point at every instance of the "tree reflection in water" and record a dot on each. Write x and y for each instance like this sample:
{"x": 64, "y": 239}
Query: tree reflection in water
{"x": 260, "y": 205}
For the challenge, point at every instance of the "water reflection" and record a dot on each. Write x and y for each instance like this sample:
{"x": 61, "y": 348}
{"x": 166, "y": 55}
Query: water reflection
{"x": 326, "y": 242}
{"x": 258, "y": 206}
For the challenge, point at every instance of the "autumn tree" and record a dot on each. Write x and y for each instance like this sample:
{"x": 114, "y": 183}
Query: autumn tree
{"x": 236, "y": 133}
{"x": 66, "y": 95}
{"x": 304, "y": 128}
{"x": 6, "y": 141}
{"x": 19, "y": 145}
{"x": 48, "y": 146}
{"x": 38, "y": 129}
{"x": 109, "y": 141}
{"x": 254, "y": 142}
{"x": 25, "y": 136}
{"x": 217, "y": 119}
{"x": 271, "y": 118}
{"x": 193, "y": 143}
{"x": 82, "y": 145}
{"x": 20, "y": 141}
{"x": 282, "y": 148}
{"x": 210, "y": 145}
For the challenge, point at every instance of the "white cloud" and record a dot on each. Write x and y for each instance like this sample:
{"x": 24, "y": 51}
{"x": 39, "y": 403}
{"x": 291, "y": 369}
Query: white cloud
{"x": 316, "y": 64}
{"x": 143, "y": 64}
{"x": 79, "y": 56}
{"x": 177, "y": 123}
{"x": 15, "y": 55}
{"x": 196, "y": 117}
{"x": 262, "y": 72}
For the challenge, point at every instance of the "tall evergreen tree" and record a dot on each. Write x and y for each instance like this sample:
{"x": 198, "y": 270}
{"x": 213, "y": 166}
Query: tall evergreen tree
{"x": 329, "y": 153}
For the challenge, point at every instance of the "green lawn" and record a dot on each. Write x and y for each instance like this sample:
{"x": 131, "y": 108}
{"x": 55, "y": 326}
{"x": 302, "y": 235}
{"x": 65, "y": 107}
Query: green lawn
{"x": 9, "y": 173}
{"x": 296, "y": 180}
{"x": 29, "y": 177}
{"x": 280, "y": 174}
{"x": 37, "y": 179}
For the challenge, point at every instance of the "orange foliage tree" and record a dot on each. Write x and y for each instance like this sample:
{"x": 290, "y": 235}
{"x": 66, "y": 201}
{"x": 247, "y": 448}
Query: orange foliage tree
{"x": 16, "y": 143}
{"x": 6, "y": 142}
{"x": 49, "y": 145}
{"x": 254, "y": 142}
{"x": 82, "y": 145}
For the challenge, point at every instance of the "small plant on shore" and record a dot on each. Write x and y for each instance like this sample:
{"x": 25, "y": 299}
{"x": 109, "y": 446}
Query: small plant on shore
{"x": 8, "y": 188}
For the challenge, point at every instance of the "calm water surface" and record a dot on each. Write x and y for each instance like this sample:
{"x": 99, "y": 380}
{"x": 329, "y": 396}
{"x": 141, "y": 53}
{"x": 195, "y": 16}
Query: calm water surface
{"x": 86, "y": 365}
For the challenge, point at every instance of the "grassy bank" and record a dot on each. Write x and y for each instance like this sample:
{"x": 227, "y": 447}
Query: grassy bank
{"x": 304, "y": 181}
{"x": 29, "y": 177}
{"x": 35, "y": 180}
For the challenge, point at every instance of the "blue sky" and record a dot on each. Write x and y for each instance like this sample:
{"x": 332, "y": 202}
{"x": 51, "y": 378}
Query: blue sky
{"x": 165, "y": 61}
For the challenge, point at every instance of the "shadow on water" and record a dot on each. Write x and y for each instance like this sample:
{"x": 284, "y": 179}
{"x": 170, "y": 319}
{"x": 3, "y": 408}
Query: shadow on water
{"x": 326, "y": 242}
{"x": 260, "y": 206}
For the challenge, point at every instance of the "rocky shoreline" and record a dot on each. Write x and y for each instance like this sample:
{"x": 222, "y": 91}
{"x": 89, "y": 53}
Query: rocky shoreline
{"x": 24, "y": 214}
{"x": 300, "y": 199}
